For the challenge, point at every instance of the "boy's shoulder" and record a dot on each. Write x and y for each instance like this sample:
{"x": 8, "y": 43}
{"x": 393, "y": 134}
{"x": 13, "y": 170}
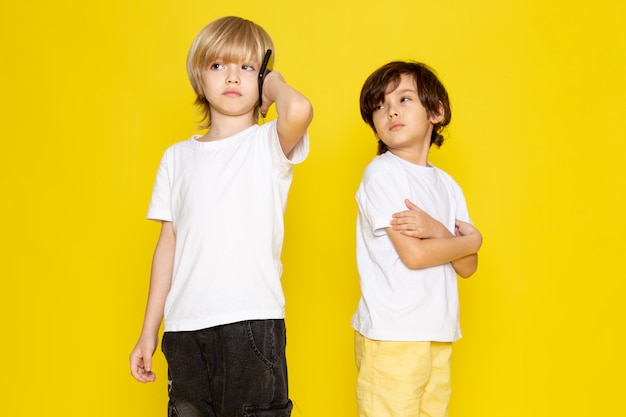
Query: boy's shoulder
{"x": 448, "y": 180}
{"x": 382, "y": 160}
{"x": 441, "y": 173}
{"x": 378, "y": 164}
{"x": 184, "y": 143}
{"x": 385, "y": 163}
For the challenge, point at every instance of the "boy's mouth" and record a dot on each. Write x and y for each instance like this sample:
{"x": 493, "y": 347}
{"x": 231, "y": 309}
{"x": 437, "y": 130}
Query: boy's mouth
{"x": 232, "y": 93}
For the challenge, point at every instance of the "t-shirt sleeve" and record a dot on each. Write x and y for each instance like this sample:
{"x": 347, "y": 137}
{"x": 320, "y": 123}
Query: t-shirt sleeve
{"x": 378, "y": 199}
{"x": 301, "y": 150}
{"x": 462, "y": 213}
{"x": 297, "y": 155}
{"x": 160, "y": 207}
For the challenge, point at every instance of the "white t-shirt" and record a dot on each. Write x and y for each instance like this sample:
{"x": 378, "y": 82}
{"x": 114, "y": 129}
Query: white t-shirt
{"x": 398, "y": 303}
{"x": 226, "y": 200}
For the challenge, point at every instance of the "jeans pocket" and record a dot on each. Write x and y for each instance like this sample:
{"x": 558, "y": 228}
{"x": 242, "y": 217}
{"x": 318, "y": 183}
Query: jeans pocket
{"x": 261, "y": 339}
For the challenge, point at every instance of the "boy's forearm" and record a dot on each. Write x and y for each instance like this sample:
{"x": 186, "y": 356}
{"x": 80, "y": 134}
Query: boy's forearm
{"x": 293, "y": 104}
{"x": 160, "y": 281}
{"x": 155, "y": 307}
{"x": 294, "y": 110}
{"x": 466, "y": 266}
{"x": 422, "y": 253}
{"x": 159, "y": 287}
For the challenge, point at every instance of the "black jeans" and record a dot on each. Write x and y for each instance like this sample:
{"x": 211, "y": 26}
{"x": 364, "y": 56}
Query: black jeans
{"x": 233, "y": 370}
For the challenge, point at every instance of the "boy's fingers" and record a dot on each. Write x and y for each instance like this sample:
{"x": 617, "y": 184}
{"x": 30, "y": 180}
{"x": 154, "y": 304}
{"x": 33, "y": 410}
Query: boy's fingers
{"x": 141, "y": 367}
{"x": 147, "y": 364}
{"x": 136, "y": 370}
{"x": 410, "y": 205}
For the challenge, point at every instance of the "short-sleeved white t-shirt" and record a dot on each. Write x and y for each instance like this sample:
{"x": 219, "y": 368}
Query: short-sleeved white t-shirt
{"x": 226, "y": 200}
{"x": 398, "y": 303}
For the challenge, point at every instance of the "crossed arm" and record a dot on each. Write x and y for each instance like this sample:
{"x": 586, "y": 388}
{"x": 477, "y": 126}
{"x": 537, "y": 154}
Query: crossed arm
{"x": 160, "y": 282}
{"x": 422, "y": 241}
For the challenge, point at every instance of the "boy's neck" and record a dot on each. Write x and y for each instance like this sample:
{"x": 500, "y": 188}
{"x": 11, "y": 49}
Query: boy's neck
{"x": 225, "y": 127}
{"x": 417, "y": 156}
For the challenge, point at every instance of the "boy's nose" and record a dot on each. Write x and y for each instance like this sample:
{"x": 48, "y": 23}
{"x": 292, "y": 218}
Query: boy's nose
{"x": 232, "y": 77}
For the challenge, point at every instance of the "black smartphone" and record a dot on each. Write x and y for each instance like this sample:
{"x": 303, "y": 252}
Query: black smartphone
{"x": 262, "y": 72}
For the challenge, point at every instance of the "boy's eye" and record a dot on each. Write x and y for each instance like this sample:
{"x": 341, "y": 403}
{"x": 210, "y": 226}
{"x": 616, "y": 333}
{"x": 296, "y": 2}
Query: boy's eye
{"x": 378, "y": 107}
{"x": 247, "y": 67}
{"x": 216, "y": 66}
{"x": 403, "y": 99}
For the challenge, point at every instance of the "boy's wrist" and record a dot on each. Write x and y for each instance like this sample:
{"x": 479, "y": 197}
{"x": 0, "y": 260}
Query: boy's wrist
{"x": 477, "y": 240}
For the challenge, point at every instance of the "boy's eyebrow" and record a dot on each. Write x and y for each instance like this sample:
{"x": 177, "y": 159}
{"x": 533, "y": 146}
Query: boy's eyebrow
{"x": 220, "y": 58}
{"x": 391, "y": 88}
{"x": 406, "y": 90}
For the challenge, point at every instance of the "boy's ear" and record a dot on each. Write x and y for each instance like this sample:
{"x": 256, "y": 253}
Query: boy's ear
{"x": 437, "y": 117}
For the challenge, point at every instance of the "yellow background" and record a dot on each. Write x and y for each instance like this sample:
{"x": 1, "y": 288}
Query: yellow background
{"x": 91, "y": 94}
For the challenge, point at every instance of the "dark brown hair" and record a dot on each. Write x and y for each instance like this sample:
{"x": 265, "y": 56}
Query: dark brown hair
{"x": 431, "y": 92}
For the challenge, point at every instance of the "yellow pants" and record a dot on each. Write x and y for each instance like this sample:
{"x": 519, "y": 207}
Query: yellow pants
{"x": 402, "y": 379}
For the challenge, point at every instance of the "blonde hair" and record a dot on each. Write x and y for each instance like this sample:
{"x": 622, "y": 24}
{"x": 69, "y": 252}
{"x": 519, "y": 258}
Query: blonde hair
{"x": 232, "y": 39}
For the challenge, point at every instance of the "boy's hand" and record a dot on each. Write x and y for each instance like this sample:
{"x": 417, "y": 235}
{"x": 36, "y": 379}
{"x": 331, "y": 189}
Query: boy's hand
{"x": 141, "y": 361}
{"x": 462, "y": 228}
{"x": 415, "y": 222}
{"x": 267, "y": 98}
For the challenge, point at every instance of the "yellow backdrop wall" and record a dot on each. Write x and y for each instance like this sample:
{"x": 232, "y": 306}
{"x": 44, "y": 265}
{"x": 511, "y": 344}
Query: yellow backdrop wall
{"x": 91, "y": 93}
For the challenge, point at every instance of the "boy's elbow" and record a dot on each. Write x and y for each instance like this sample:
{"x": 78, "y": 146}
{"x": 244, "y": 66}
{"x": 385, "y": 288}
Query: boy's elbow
{"x": 300, "y": 111}
{"x": 413, "y": 262}
{"x": 465, "y": 268}
{"x": 466, "y": 274}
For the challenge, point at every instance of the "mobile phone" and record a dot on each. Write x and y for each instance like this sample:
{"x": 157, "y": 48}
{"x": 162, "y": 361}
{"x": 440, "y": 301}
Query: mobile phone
{"x": 262, "y": 72}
